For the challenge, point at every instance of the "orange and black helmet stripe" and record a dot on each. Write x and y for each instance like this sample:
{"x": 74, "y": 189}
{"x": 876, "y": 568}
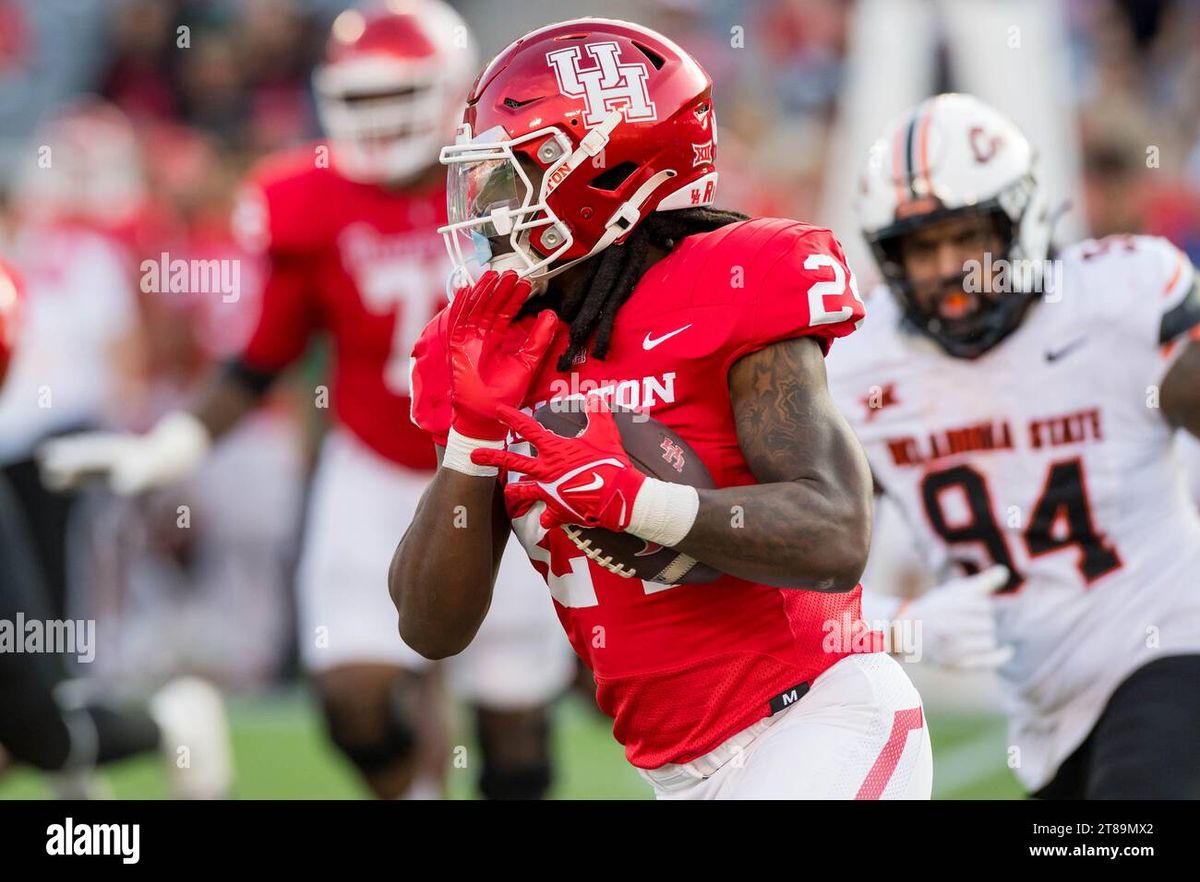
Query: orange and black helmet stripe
{"x": 910, "y": 154}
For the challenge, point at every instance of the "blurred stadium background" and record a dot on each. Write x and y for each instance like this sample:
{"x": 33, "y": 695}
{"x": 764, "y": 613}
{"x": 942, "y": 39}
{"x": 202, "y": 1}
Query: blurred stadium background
{"x": 152, "y": 138}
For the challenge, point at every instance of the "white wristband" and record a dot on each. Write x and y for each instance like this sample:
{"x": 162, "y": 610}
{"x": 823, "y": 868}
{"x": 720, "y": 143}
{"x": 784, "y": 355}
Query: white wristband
{"x": 664, "y": 512}
{"x": 458, "y": 455}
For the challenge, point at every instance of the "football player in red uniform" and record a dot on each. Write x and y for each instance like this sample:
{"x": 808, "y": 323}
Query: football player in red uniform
{"x": 584, "y": 170}
{"x": 349, "y": 233}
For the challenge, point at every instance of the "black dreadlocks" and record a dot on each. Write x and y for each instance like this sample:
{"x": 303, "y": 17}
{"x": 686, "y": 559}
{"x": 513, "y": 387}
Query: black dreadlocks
{"x": 591, "y": 307}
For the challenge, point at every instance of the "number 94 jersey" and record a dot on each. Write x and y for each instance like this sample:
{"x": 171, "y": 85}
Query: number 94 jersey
{"x": 1048, "y": 454}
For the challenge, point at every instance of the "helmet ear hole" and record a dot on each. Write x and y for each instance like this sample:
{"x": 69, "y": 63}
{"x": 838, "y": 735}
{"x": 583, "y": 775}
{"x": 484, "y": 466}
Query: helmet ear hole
{"x": 612, "y": 178}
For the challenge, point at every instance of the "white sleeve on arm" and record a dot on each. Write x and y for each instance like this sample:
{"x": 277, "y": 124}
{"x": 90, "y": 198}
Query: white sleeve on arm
{"x": 1173, "y": 282}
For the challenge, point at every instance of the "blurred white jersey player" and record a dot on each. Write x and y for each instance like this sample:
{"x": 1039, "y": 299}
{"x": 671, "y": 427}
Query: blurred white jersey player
{"x": 1020, "y": 405}
{"x": 81, "y": 308}
{"x": 349, "y": 233}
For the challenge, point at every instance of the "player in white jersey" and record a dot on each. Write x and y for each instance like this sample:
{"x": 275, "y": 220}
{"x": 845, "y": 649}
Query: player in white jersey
{"x": 1020, "y": 405}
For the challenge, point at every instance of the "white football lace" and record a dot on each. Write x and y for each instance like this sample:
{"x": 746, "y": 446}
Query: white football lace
{"x": 585, "y": 545}
{"x": 674, "y": 571}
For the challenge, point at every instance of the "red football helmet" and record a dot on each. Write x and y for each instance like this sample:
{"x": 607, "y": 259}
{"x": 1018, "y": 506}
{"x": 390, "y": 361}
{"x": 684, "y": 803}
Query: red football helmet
{"x": 392, "y": 86}
{"x": 617, "y": 118}
{"x": 10, "y": 302}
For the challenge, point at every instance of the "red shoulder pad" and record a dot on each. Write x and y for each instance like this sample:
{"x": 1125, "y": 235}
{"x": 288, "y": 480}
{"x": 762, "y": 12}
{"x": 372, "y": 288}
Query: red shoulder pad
{"x": 283, "y": 203}
{"x": 797, "y": 284}
{"x": 429, "y": 379}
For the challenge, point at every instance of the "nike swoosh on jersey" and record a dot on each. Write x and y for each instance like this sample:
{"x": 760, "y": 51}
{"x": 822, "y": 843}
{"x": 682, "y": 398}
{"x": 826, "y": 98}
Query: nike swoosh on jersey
{"x": 1056, "y": 354}
{"x": 651, "y": 342}
{"x": 595, "y": 484}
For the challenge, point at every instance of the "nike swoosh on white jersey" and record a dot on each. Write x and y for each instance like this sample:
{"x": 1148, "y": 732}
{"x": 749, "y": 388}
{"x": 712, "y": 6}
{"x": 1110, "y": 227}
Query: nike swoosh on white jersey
{"x": 1056, "y": 354}
{"x": 651, "y": 342}
{"x": 596, "y": 483}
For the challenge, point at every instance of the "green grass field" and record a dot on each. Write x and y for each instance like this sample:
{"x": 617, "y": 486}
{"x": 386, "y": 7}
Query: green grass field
{"x": 281, "y": 754}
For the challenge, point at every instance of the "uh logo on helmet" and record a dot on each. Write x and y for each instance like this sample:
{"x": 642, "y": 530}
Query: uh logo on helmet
{"x": 570, "y": 137}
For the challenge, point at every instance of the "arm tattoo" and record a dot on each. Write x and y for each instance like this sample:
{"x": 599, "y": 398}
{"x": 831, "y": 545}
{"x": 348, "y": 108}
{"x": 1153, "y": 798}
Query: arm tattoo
{"x": 776, "y": 411}
{"x": 807, "y": 521}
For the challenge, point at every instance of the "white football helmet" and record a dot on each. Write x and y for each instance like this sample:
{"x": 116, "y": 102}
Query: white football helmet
{"x": 392, "y": 86}
{"x": 94, "y": 172}
{"x": 950, "y": 156}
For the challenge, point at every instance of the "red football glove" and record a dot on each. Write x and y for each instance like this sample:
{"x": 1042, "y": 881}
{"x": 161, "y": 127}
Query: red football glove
{"x": 492, "y": 357}
{"x": 587, "y": 480}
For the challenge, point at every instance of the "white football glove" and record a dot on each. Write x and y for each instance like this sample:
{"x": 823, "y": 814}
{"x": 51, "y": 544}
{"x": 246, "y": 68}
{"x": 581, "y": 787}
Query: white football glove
{"x": 957, "y": 623}
{"x": 131, "y": 464}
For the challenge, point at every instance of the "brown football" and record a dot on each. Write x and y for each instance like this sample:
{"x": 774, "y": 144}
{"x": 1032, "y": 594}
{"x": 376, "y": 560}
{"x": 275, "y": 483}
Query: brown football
{"x": 659, "y": 452}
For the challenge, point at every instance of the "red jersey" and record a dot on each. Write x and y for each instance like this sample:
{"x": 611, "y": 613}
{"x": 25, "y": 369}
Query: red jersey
{"x": 683, "y": 668}
{"x": 363, "y": 263}
{"x": 10, "y": 294}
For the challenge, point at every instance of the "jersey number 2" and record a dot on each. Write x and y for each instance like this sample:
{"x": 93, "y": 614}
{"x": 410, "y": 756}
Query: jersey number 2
{"x": 818, "y": 313}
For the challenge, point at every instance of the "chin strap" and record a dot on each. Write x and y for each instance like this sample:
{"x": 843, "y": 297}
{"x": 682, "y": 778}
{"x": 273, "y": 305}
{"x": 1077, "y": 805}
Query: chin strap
{"x": 622, "y": 221}
{"x": 591, "y": 145}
